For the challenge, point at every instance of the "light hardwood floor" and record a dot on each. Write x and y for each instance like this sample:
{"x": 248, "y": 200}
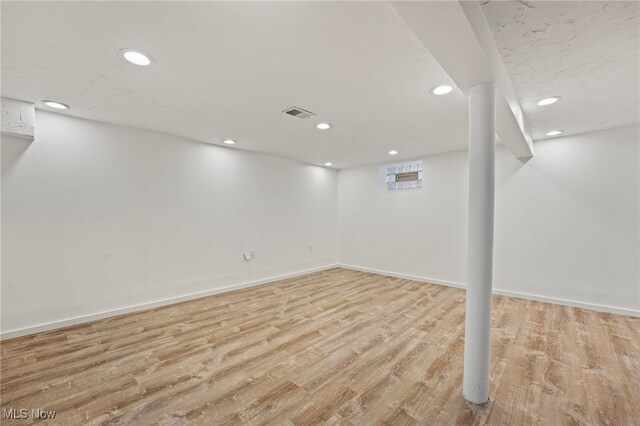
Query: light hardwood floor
{"x": 335, "y": 347}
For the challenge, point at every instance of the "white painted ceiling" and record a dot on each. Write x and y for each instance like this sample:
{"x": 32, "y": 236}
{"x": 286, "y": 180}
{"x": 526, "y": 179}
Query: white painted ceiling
{"x": 587, "y": 52}
{"x": 228, "y": 69}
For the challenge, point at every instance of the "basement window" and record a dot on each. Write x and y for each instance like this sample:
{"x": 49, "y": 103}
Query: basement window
{"x": 404, "y": 176}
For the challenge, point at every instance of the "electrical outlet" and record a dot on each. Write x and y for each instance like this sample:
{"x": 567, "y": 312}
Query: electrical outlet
{"x": 247, "y": 255}
{"x": 253, "y": 254}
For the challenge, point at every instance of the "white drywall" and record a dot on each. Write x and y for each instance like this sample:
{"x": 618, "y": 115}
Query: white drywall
{"x": 98, "y": 218}
{"x": 567, "y": 222}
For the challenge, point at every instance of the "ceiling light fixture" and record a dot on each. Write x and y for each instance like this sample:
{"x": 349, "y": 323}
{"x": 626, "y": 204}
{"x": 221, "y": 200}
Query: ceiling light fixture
{"x": 554, "y": 132}
{"x": 229, "y": 142}
{"x": 55, "y": 105}
{"x": 135, "y": 57}
{"x": 442, "y": 90}
{"x": 393, "y": 152}
{"x": 323, "y": 126}
{"x": 328, "y": 163}
{"x": 548, "y": 101}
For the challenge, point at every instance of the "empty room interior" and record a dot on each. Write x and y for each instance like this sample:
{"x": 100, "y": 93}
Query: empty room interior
{"x": 310, "y": 212}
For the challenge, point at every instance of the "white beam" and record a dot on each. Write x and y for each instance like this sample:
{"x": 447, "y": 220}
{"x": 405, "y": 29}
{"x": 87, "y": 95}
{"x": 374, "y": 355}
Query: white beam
{"x": 509, "y": 131}
{"x": 444, "y": 30}
{"x": 18, "y": 118}
{"x": 511, "y": 127}
{"x": 460, "y": 39}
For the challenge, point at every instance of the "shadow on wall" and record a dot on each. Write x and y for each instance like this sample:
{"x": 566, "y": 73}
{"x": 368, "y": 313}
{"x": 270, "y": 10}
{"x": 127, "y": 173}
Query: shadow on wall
{"x": 11, "y": 149}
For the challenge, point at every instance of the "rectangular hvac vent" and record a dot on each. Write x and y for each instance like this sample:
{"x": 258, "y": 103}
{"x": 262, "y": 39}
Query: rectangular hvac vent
{"x": 298, "y": 112}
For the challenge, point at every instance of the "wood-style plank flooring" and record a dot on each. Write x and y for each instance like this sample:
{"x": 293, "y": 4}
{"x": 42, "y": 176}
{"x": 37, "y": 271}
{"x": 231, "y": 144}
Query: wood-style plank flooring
{"x": 335, "y": 347}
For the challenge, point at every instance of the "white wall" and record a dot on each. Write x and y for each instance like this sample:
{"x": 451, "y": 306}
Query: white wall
{"x": 97, "y": 217}
{"x": 567, "y": 224}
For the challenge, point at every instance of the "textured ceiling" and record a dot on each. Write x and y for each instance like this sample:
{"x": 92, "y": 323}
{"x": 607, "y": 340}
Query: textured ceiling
{"x": 228, "y": 69}
{"x": 587, "y": 52}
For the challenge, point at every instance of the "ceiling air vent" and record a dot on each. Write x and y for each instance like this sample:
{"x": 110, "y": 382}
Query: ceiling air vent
{"x": 298, "y": 112}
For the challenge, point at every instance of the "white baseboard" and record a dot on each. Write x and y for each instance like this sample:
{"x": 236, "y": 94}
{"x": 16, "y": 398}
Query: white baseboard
{"x": 135, "y": 308}
{"x": 527, "y": 296}
{"x": 404, "y": 276}
{"x": 154, "y": 304}
{"x": 571, "y": 303}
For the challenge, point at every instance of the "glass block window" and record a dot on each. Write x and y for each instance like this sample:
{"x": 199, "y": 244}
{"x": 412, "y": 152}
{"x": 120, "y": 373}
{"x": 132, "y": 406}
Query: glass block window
{"x": 404, "y": 176}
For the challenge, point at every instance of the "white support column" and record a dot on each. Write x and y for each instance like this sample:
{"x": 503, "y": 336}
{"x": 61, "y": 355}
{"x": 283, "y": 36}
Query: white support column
{"x": 480, "y": 256}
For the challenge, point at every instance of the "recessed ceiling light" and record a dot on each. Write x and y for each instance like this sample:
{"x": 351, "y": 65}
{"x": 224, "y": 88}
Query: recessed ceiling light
{"x": 554, "y": 132}
{"x": 442, "y": 90}
{"x": 328, "y": 163}
{"x": 229, "y": 142}
{"x": 55, "y": 105}
{"x": 548, "y": 101}
{"x": 393, "y": 152}
{"x": 135, "y": 57}
{"x": 323, "y": 126}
